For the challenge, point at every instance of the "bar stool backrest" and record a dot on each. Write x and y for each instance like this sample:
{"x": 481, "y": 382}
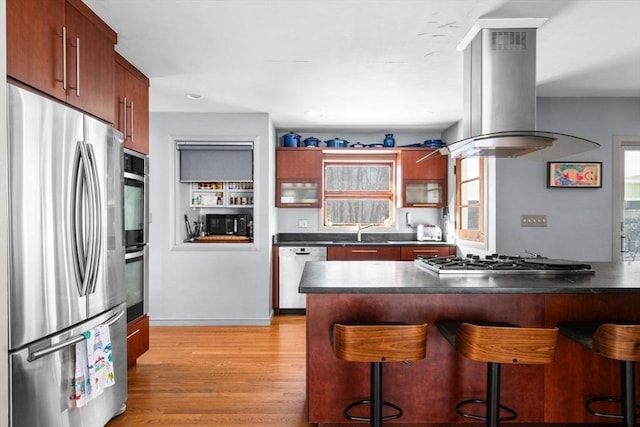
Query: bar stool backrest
{"x": 380, "y": 342}
{"x": 619, "y": 342}
{"x": 499, "y": 344}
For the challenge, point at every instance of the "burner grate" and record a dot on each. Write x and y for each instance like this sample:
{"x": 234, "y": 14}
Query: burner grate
{"x": 493, "y": 264}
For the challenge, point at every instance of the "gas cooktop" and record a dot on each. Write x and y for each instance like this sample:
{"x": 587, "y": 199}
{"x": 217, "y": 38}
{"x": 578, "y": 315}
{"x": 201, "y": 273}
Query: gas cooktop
{"x": 501, "y": 264}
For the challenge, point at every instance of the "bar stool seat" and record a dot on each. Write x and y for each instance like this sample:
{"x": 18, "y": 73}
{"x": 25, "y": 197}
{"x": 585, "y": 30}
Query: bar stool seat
{"x": 378, "y": 343}
{"x": 496, "y": 344}
{"x": 617, "y": 340}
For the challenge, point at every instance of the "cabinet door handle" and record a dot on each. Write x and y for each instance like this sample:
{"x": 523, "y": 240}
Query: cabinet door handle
{"x": 64, "y": 57}
{"x": 364, "y": 251}
{"x": 133, "y": 333}
{"x": 77, "y": 46}
{"x": 124, "y": 118}
{"x": 425, "y": 251}
{"x": 131, "y": 125}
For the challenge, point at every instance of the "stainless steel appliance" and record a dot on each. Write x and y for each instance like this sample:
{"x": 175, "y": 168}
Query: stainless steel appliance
{"x": 66, "y": 258}
{"x": 291, "y": 262}
{"x": 136, "y": 224}
{"x": 136, "y": 203}
{"x": 229, "y": 224}
{"x": 502, "y": 264}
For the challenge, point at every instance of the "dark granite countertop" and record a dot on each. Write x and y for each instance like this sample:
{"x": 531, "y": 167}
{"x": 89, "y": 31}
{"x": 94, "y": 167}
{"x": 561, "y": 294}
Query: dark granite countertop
{"x": 403, "y": 277}
{"x": 349, "y": 239}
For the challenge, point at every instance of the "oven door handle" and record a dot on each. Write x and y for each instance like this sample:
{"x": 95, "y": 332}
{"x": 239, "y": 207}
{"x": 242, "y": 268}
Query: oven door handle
{"x": 133, "y": 176}
{"x": 132, "y": 255}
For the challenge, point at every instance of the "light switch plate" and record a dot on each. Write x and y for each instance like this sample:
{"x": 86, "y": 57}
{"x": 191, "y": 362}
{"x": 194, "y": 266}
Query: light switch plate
{"x": 533, "y": 220}
{"x": 302, "y": 223}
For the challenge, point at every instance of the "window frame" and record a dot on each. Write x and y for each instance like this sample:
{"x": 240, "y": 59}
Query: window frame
{"x": 390, "y": 195}
{"x": 477, "y": 236}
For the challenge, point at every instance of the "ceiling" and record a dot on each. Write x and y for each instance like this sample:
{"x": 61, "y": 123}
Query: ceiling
{"x": 360, "y": 64}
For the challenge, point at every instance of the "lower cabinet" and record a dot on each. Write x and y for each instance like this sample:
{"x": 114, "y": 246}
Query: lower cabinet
{"x": 388, "y": 253}
{"x": 410, "y": 253}
{"x": 363, "y": 253}
{"x": 137, "y": 339}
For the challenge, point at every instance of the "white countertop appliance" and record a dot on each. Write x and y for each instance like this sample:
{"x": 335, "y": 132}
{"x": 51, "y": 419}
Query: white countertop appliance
{"x": 428, "y": 232}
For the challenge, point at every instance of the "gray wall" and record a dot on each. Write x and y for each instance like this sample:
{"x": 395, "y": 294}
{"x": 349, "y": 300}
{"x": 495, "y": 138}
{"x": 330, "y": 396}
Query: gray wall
{"x": 579, "y": 220}
{"x": 199, "y": 284}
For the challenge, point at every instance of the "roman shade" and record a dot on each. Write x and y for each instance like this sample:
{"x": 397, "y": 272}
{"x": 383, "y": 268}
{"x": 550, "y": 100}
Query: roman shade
{"x": 215, "y": 161}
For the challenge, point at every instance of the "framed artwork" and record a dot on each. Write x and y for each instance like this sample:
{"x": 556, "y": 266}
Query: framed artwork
{"x": 574, "y": 174}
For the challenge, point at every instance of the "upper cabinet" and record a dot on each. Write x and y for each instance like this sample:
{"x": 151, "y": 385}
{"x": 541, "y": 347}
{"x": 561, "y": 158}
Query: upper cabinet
{"x": 298, "y": 177}
{"x": 62, "y": 48}
{"x": 131, "y": 114}
{"x": 424, "y": 184}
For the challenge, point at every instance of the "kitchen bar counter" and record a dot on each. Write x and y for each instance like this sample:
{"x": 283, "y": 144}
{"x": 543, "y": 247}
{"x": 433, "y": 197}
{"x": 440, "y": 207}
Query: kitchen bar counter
{"x": 403, "y": 277}
{"x": 356, "y": 291}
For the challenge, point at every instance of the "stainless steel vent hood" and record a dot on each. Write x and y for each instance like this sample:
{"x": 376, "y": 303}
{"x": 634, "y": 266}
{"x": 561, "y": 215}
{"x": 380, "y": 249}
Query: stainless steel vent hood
{"x": 500, "y": 96}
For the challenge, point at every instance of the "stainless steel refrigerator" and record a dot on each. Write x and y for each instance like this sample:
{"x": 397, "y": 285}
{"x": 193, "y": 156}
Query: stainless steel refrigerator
{"x": 66, "y": 259}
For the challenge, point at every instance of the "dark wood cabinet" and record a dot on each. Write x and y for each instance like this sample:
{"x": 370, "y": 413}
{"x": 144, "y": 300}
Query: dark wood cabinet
{"x": 424, "y": 184}
{"x": 409, "y": 253}
{"x": 363, "y": 253}
{"x": 131, "y": 112}
{"x": 137, "y": 339}
{"x": 35, "y": 44}
{"x": 63, "y": 49}
{"x": 298, "y": 177}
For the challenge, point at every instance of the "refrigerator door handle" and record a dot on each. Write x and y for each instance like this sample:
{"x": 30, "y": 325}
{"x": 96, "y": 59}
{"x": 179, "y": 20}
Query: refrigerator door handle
{"x": 87, "y": 234}
{"x": 77, "y": 225}
{"x": 38, "y": 354}
{"x": 96, "y": 219}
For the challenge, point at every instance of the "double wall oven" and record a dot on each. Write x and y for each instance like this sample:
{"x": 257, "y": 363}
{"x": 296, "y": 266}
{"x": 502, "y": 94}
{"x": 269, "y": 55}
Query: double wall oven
{"x": 136, "y": 222}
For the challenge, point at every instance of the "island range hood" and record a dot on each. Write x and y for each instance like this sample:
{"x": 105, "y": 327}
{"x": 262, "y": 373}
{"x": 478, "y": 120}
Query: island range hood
{"x": 500, "y": 97}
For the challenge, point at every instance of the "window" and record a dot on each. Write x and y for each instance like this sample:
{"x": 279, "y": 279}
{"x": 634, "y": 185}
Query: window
{"x": 359, "y": 192}
{"x": 470, "y": 198}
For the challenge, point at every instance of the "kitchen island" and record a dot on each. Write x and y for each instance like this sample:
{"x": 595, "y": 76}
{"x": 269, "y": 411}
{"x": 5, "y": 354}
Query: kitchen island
{"x": 428, "y": 391}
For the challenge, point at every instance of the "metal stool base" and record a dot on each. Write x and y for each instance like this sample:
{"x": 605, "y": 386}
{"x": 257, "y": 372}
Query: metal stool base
{"x": 606, "y": 414}
{"x": 511, "y": 417}
{"x": 398, "y": 413}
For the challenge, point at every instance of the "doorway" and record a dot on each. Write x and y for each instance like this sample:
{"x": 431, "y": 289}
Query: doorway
{"x": 626, "y": 190}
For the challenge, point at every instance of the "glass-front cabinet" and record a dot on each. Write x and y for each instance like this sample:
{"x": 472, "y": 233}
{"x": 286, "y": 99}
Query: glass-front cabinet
{"x": 298, "y": 194}
{"x": 424, "y": 181}
{"x": 298, "y": 177}
{"x": 423, "y": 193}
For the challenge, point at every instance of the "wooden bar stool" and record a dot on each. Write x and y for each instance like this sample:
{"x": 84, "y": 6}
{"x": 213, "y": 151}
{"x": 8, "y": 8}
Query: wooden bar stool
{"x": 618, "y": 341}
{"x": 376, "y": 344}
{"x": 495, "y": 344}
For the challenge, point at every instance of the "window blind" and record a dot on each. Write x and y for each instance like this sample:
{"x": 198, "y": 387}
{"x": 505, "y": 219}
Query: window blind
{"x": 203, "y": 161}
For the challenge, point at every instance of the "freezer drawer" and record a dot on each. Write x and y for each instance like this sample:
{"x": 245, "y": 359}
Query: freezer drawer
{"x": 41, "y": 374}
{"x": 291, "y": 262}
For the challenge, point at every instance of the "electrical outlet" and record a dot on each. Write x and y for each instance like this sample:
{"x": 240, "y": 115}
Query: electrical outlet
{"x": 302, "y": 223}
{"x": 533, "y": 220}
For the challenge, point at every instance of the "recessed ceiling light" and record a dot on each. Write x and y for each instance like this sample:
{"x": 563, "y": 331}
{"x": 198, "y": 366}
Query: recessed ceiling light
{"x": 426, "y": 113}
{"x": 313, "y": 113}
{"x": 193, "y": 96}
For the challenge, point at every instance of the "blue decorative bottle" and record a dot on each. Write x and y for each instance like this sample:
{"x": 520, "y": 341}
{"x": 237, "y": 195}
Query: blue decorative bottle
{"x": 389, "y": 141}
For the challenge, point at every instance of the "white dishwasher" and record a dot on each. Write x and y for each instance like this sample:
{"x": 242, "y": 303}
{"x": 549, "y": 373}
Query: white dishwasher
{"x": 290, "y": 265}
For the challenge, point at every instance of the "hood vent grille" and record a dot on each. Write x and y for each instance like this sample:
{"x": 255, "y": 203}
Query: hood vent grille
{"x": 508, "y": 40}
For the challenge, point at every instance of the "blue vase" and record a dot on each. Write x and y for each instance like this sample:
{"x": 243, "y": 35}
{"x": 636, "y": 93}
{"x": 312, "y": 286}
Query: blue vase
{"x": 389, "y": 141}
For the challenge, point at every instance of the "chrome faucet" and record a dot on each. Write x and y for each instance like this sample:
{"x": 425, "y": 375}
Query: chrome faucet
{"x": 360, "y": 228}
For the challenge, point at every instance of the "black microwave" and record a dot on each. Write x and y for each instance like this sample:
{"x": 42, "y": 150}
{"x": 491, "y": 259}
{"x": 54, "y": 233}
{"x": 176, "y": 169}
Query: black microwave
{"x": 230, "y": 224}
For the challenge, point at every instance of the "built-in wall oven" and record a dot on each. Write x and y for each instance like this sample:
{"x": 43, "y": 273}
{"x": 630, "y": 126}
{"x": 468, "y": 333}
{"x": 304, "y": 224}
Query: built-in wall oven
{"x": 136, "y": 222}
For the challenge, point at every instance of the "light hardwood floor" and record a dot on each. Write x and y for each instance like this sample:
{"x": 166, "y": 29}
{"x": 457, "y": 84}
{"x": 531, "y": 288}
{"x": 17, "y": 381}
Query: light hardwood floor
{"x": 220, "y": 376}
{"x": 228, "y": 376}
